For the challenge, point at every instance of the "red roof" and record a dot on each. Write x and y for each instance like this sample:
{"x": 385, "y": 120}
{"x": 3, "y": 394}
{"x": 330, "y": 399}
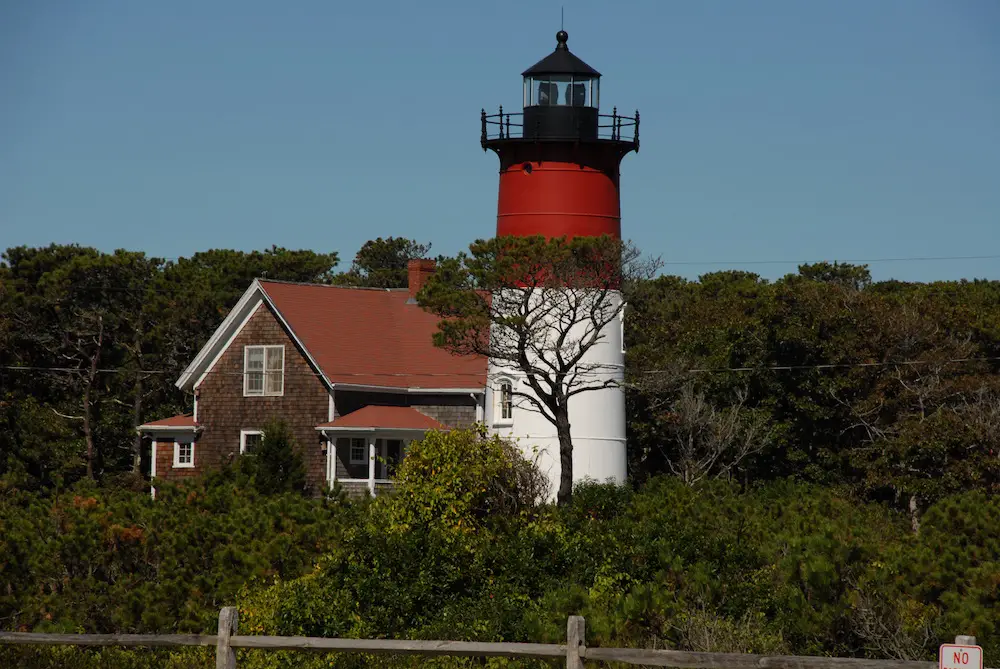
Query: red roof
{"x": 184, "y": 420}
{"x": 371, "y": 337}
{"x": 399, "y": 418}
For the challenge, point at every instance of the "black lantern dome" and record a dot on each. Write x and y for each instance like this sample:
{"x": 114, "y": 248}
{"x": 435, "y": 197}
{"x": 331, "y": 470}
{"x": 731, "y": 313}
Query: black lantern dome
{"x": 561, "y": 103}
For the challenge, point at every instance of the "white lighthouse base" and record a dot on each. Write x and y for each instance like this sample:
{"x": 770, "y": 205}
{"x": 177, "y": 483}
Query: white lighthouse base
{"x": 597, "y": 417}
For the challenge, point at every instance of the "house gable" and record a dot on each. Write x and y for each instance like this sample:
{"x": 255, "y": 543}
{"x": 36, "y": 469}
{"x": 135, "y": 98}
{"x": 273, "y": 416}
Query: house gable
{"x": 226, "y": 409}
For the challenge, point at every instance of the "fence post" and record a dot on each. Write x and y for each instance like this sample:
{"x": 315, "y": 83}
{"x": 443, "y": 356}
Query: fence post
{"x": 576, "y": 641}
{"x": 225, "y": 656}
{"x": 963, "y": 640}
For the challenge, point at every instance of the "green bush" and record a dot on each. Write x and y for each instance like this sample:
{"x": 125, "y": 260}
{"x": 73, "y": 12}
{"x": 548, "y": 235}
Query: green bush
{"x": 277, "y": 466}
{"x": 93, "y": 560}
{"x": 463, "y": 550}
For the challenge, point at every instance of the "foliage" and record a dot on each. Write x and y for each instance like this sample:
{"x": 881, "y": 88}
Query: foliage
{"x": 105, "y": 335}
{"x": 844, "y": 448}
{"x": 537, "y": 307}
{"x": 99, "y": 560}
{"x": 889, "y": 388}
{"x": 458, "y": 480}
{"x": 382, "y": 263}
{"x": 788, "y": 568}
{"x": 277, "y": 465}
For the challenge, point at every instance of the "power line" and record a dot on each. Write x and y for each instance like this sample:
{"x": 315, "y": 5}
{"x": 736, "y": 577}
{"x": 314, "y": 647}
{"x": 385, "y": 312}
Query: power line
{"x": 693, "y": 370}
{"x": 809, "y": 262}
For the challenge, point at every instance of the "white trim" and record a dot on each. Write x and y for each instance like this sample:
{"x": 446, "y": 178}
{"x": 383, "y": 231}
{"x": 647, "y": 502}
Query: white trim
{"x": 168, "y": 428}
{"x": 621, "y": 318}
{"x": 371, "y": 465}
{"x": 407, "y": 390}
{"x": 331, "y": 412}
{"x": 498, "y": 417}
{"x": 194, "y": 412}
{"x": 177, "y": 455}
{"x": 246, "y": 301}
{"x": 298, "y": 342}
{"x": 445, "y": 391}
{"x": 331, "y": 462}
{"x": 236, "y": 314}
{"x": 243, "y": 438}
{"x": 152, "y": 469}
{"x": 222, "y": 351}
{"x": 379, "y": 430}
{"x": 480, "y": 409}
{"x": 256, "y": 290}
{"x": 263, "y": 370}
{"x": 350, "y": 451}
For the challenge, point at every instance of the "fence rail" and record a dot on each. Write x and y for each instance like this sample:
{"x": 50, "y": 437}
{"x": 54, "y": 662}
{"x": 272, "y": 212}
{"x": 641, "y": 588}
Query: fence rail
{"x": 574, "y": 650}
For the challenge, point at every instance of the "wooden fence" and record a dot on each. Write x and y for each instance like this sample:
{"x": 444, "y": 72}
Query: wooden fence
{"x": 574, "y": 651}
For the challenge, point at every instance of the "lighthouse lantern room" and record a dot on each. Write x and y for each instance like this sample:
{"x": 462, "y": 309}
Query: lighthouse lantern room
{"x": 559, "y": 177}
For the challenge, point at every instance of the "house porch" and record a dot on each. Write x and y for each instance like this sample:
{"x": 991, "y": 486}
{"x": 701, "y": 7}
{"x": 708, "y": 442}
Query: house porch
{"x": 365, "y": 447}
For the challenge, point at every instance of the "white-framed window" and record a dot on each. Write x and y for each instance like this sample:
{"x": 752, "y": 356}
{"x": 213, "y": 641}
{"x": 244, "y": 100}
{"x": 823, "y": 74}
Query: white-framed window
{"x": 504, "y": 410}
{"x": 621, "y": 323}
{"x": 359, "y": 451}
{"x": 264, "y": 370}
{"x": 183, "y": 454}
{"x": 250, "y": 440}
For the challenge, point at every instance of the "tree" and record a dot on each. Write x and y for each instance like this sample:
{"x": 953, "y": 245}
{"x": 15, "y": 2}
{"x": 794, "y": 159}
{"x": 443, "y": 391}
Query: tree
{"x": 537, "y": 306}
{"x": 856, "y": 277}
{"x": 277, "y": 466}
{"x": 382, "y": 263}
{"x": 95, "y": 341}
{"x": 75, "y": 309}
{"x": 704, "y": 441}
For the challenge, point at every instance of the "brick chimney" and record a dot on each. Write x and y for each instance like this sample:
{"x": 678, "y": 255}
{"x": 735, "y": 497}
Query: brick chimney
{"x": 417, "y": 272}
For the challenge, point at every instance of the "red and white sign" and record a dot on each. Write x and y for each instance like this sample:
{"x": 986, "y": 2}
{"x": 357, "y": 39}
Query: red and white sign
{"x": 953, "y": 656}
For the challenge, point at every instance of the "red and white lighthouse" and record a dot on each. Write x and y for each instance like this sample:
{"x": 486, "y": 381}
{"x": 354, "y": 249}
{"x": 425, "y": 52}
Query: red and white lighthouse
{"x": 559, "y": 177}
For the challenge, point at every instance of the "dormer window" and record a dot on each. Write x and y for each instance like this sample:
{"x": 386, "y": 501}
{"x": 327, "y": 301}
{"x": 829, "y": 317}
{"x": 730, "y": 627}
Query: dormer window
{"x": 263, "y": 371}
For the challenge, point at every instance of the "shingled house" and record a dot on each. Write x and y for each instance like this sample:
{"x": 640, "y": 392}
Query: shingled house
{"x": 352, "y": 371}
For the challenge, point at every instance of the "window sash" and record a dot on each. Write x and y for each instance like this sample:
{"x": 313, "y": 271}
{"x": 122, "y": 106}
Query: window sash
{"x": 506, "y": 401}
{"x": 250, "y": 440}
{"x": 359, "y": 450}
{"x": 183, "y": 454}
{"x": 264, "y": 370}
{"x": 274, "y": 380}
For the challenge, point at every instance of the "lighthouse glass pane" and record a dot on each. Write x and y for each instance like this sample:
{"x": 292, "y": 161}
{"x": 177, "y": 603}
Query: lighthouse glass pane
{"x": 561, "y": 90}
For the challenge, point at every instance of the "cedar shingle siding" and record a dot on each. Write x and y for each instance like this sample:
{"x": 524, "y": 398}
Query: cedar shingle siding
{"x": 223, "y": 410}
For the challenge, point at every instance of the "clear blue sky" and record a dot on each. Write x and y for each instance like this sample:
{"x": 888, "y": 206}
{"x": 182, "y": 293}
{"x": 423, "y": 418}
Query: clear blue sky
{"x": 775, "y": 129}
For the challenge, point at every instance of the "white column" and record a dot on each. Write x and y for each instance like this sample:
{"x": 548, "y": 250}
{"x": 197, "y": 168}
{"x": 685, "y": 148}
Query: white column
{"x": 331, "y": 460}
{"x": 371, "y": 464}
{"x": 152, "y": 469}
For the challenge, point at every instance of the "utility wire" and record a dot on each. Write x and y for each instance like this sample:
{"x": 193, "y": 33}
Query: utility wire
{"x": 693, "y": 370}
{"x": 809, "y": 262}
{"x": 690, "y": 263}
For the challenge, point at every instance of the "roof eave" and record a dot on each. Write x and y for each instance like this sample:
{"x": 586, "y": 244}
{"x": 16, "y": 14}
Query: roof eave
{"x": 415, "y": 430}
{"x": 205, "y": 356}
{"x": 168, "y": 428}
{"x": 409, "y": 390}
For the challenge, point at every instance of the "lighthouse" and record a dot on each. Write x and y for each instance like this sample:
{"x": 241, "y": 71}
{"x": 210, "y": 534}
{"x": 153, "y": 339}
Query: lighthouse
{"x": 559, "y": 177}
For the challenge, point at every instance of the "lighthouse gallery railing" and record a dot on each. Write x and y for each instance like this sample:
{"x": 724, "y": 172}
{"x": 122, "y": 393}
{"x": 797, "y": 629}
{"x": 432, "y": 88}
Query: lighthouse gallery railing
{"x": 614, "y": 127}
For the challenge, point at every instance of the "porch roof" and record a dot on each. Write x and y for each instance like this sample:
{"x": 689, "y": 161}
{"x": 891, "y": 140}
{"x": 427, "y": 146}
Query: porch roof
{"x": 383, "y": 418}
{"x": 183, "y": 422}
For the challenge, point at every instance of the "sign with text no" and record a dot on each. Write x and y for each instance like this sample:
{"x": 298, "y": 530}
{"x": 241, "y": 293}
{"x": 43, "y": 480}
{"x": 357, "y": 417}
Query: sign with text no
{"x": 952, "y": 656}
